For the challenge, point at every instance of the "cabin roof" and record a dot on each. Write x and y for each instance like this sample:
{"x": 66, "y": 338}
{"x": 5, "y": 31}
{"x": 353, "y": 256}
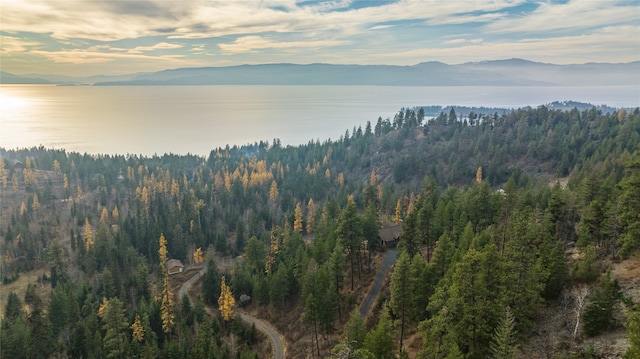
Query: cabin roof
{"x": 174, "y": 263}
{"x": 390, "y": 233}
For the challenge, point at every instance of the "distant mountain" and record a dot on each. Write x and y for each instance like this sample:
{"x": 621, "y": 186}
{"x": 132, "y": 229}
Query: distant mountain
{"x": 9, "y": 78}
{"x": 510, "y": 72}
{"x": 513, "y": 72}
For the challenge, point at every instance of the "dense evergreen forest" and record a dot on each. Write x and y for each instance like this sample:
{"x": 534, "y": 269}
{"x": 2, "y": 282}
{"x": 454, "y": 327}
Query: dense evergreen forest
{"x": 505, "y": 218}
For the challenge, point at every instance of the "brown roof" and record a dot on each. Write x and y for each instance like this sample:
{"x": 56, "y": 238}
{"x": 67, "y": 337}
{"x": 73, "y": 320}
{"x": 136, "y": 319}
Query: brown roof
{"x": 391, "y": 233}
{"x": 174, "y": 263}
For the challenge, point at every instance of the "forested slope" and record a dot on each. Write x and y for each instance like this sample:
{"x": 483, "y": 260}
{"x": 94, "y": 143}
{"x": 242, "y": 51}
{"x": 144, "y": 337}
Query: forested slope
{"x": 502, "y": 216}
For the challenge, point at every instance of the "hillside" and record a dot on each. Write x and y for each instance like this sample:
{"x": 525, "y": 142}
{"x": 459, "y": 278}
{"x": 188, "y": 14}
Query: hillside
{"x": 521, "y": 223}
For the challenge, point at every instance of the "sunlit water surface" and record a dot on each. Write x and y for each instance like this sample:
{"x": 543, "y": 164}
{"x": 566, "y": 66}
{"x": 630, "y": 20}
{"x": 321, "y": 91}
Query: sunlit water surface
{"x": 195, "y": 119}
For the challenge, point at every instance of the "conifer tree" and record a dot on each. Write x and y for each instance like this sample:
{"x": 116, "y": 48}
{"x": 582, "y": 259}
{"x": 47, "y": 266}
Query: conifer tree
{"x": 88, "y": 239}
{"x": 401, "y": 291}
{"x": 298, "y": 217}
{"x": 503, "y": 345}
{"x": 379, "y": 341}
{"x": 226, "y": 302}
{"x": 166, "y": 295}
{"x": 197, "y": 256}
{"x": 311, "y": 216}
{"x": 350, "y": 232}
{"x": 115, "y": 324}
{"x": 138, "y": 329}
{"x": 633, "y": 335}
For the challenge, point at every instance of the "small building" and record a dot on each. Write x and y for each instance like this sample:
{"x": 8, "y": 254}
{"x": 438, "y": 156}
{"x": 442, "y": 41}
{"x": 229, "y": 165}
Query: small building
{"x": 390, "y": 236}
{"x": 17, "y": 165}
{"x": 174, "y": 266}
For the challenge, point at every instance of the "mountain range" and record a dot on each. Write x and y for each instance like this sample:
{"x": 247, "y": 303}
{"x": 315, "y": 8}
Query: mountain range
{"x": 512, "y": 72}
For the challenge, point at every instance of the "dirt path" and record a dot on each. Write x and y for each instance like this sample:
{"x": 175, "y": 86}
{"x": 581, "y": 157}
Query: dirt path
{"x": 277, "y": 341}
{"x": 389, "y": 259}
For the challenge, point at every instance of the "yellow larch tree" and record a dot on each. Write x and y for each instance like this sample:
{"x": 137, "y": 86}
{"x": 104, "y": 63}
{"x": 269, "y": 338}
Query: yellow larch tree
{"x": 166, "y": 306}
{"x": 175, "y": 188}
{"x": 298, "y": 219}
{"x": 104, "y": 216}
{"x": 372, "y": 178}
{"x": 103, "y": 307}
{"x": 479, "y": 175}
{"x": 273, "y": 191}
{"x": 274, "y": 247}
{"x": 88, "y": 238}
{"x": 226, "y": 302}
{"x": 197, "y": 256}
{"x": 138, "y": 329}
{"x": 398, "y": 212}
{"x": 23, "y": 208}
{"x": 56, "y": 166}
{"x": 115, "y": 214}
{"x": 36, "y": 202}
{"x": 311, "y": 216}
{"x": 327, "y": 174}
{"x": 341, "y": 179}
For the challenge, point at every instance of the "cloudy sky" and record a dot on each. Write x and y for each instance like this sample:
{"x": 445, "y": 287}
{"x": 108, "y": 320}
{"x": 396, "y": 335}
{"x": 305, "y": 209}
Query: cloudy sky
{"x": 89, "y": 37}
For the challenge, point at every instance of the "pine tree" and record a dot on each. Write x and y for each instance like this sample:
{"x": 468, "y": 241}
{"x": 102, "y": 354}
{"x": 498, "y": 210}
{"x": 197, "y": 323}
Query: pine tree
{"x": 115, "y": 323}
{"x": 226, "y": 302}
{"x": 503, "y": 345}
{"x": 349, "y": 232}
{"x": 379, "y": 341}
{"x": 355, "y": 330}
{"x": 401, "y": 291}
{"x": 629, "y": 199}
{"x": 633, "y": 335}
{"x": 599, "y": 313}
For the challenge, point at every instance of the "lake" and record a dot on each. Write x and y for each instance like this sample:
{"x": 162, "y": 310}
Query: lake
{"x": 196, "y": 119}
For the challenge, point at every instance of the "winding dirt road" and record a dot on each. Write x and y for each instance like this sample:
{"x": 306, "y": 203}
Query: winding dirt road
{"x": 277, "y": 341}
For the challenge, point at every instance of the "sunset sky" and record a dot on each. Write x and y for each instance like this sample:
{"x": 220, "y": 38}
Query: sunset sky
{"x": 82, "y": 37}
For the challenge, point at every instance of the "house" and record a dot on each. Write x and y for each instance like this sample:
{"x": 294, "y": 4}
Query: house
{"x": 17, "y": 165}
{"x": 390, "y": 236}
{"x": 174, "y": 266}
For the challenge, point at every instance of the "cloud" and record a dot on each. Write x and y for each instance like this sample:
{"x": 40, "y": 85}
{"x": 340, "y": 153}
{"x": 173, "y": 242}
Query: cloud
{"x": 16, "y": 45}
{"x": 561, "y": 50}
{"x": 115, "y": 20}
{"x": 158, "y": 46}
{"x": 462, "y": 41}
{"x": 252, "y": 43}
{"x": 573, "y": 15}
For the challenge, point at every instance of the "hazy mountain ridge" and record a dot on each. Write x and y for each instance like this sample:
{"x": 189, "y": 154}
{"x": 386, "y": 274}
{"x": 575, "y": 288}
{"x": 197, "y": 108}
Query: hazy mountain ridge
{"x": 511, "y": 72}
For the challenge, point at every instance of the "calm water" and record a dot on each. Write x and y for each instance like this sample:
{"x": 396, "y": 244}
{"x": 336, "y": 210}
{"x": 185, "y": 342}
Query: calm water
{"x": 196, "y": 119}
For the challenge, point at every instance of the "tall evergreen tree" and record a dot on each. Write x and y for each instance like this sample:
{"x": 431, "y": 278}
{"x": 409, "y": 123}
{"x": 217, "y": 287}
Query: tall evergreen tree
{"x": 402, "y": 291}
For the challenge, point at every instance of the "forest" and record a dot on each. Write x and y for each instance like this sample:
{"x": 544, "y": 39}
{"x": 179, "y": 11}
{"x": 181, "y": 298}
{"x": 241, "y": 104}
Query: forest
{"x": 520, "y": 238}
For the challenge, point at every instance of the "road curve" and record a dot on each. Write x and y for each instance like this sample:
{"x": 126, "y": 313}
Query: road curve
{"x": 277, "y": 343}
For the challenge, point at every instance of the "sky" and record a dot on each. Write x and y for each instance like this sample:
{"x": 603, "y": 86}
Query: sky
{"x": 111, "y": 37}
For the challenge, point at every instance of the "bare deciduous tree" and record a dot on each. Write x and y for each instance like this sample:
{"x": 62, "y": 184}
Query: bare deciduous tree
{"x": 579, "y": 295}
